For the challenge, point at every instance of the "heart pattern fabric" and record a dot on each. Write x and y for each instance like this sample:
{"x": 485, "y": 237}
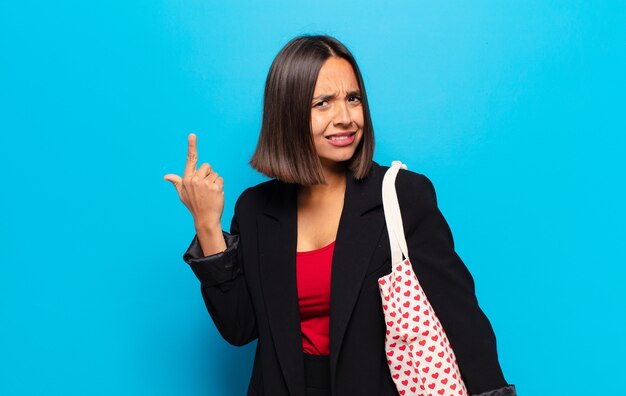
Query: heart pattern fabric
{"x": 419, "y": 355}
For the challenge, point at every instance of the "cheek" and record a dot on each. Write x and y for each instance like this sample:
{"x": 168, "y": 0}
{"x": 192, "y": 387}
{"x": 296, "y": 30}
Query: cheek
{"x": 358, "y": 116}
{"x": 317, "y": 124}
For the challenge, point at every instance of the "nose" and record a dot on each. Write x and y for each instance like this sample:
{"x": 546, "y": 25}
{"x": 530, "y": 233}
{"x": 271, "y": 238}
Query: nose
{"x": 342, "y": 114}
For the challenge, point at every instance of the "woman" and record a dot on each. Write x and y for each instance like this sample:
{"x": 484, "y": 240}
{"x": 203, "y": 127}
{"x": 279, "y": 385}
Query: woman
{"x": 270, "y": 277}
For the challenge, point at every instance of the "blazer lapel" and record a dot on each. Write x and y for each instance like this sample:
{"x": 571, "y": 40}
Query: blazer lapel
{"x": 359, "y": 231}
{"x": 277, "y": 231}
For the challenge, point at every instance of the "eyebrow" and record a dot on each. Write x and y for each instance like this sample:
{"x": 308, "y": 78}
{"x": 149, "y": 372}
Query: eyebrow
{"x": 332, "y": 96}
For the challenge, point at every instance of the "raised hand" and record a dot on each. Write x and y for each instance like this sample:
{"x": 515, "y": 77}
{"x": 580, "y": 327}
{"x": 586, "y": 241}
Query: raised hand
{"x": 201, "y": 190}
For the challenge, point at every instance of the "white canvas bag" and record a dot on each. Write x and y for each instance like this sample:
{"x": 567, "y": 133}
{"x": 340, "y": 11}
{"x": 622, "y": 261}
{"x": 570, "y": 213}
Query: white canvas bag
{"x": 419, "y": 355}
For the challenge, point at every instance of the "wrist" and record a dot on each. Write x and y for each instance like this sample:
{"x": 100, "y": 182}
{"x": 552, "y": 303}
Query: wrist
{"x": 208, "y": 227}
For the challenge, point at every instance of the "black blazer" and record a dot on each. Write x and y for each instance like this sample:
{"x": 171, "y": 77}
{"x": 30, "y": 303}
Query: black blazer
{"x": 250, "y": 288}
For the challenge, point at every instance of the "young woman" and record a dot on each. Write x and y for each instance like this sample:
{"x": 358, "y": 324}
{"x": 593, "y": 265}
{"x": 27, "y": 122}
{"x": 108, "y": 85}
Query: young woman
{"x": 299, "y": 268}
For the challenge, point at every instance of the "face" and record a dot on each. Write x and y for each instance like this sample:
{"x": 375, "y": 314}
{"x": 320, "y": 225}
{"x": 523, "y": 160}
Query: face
{"x": 336, "y": 113}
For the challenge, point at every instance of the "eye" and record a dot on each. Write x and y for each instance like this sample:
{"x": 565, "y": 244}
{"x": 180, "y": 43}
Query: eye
{"x": 319, "y": 104}
{"x": 355, "y": 98}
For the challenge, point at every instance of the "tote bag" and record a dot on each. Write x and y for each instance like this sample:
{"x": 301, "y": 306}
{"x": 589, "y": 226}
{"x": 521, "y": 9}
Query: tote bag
{"x": 419, "y": 355}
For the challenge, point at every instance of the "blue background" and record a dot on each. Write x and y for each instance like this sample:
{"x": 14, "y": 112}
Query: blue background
{"x": 515, "y": 111}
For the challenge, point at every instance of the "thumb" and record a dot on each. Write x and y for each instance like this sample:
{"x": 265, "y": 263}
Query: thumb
{"x": 175, "y": 180}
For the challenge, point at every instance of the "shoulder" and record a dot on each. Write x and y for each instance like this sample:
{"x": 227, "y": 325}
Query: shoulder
{"x": 411, "y": 185}
{"x": 254, "y": 198}
{"x": 416, "y": 195}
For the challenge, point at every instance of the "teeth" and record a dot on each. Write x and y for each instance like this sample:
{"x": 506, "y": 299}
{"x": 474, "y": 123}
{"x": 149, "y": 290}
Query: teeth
{"x": 338, "y": 137}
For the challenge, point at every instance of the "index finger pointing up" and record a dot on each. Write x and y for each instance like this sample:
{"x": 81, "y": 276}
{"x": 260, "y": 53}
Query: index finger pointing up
{"x": 192, "y": 156}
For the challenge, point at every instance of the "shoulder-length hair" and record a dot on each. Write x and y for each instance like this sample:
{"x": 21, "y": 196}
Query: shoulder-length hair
{"x": 285, "y": 149}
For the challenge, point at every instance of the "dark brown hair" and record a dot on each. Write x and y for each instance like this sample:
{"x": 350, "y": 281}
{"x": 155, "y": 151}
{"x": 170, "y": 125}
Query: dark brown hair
{"x": 285, "y": 149}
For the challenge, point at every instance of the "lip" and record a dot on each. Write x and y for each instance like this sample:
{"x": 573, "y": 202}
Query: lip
{"x": 341, "y": 142}
{"x": 341, "y": 134}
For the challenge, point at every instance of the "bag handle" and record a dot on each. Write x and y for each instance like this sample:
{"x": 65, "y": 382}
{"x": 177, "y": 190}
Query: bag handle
{"x": 393, "y": 216}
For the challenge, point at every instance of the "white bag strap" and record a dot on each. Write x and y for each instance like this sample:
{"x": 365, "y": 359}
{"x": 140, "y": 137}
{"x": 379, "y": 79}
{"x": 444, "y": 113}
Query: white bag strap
{"x": 393, "y": 217}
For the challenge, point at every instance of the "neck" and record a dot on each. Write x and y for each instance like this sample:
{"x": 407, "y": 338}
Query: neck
{"x": 335, "y": 184}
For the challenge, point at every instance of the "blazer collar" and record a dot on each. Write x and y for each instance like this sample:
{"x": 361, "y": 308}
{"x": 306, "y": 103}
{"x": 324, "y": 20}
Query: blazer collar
{"x": 366, "y": 194}
{"x": 360, "y": 227}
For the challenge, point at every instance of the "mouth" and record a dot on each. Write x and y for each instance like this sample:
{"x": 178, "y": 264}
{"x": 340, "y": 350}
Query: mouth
{"x": 340, "y": 136}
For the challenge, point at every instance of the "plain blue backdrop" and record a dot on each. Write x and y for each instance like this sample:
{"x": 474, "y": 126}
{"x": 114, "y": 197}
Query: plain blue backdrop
{"x": 515, "y": 111}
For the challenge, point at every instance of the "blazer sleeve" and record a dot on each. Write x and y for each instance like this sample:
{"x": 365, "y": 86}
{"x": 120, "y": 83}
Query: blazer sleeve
{"x": 223, "y": 285}
{"x": 449, "y": 286}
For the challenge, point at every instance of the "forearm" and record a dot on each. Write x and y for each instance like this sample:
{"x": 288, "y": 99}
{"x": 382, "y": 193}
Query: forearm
{"x": 210, "y": 238}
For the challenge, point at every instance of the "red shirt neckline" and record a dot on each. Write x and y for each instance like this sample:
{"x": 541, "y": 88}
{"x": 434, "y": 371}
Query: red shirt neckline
{"x": 307, "y": 252}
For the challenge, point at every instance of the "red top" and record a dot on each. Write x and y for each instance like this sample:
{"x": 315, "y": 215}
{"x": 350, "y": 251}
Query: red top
{"x": 313, "y": 275}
